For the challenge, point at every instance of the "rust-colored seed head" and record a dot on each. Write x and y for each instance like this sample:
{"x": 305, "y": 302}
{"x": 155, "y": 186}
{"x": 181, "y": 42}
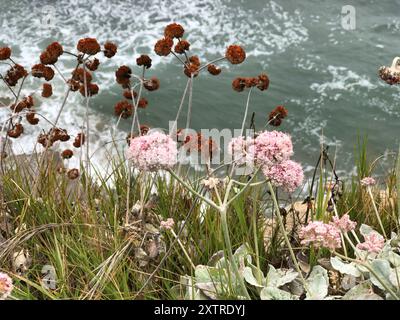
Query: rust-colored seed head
{"x": 55, "y": 49}
{"x": 235, "y": 54}
{"x": 47, "y": 90}
{"x": 89, "y": 46}
{"x": 182, "y": 46}
{"x": 16, "y": 131}
{"x": 79, "y": 75}
{"x": 58, "y": 134}
{"x": 5, "y": 53}
{"x": 277, "y": 115}
{"x": 123, "y": 108}
{"x": 191, "y": 69}
{"x": 144, "y": 129}
{"x": 263, "y": 82}
{"x": 79, "y": 140}
{"x": 91, "y": 89}
{"x": 15, "y": 73}
{"x": 110, "y": 49}
{"x": 152, "y": 84}
{"x": 93, "y": 64}
{"x": 144, "y": 60}
{"x": 195, "y": 60}
{"x": 31, "y": 118}
{"x": 67, "y": 154}
{"x": 123, "y": 76}
{"x": 51, "y": 54}
{"x": 163, "y": 47}
{"x": 143, "y": 103}
{"x": 250, "y": 82}
{"x": 128, "y": 94}
{"x": 46, "y": 58}
{"x": 44, "y": 140}
{"x": 238, "y": 84}
{"x": 389, "y": 75}
{"x": 74, "y": 85}
{"x": 214, "y": 70}
{"x": 174, "y": 30}
{"x": 27, "y": 103}
{"x": 73, "y": 174}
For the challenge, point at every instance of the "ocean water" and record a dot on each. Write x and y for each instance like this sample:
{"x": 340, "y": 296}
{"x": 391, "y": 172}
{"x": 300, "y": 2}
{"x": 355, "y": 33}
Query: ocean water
{"x": 324, "y": 74}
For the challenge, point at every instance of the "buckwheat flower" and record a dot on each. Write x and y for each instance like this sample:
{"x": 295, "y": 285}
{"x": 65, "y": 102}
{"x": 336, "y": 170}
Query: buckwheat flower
{"x": 73, "y": 174}
{"x": 93, "y": 64}
{"x": 91, "y": 89}
{"x": 25, "y": 103}
{"x": 6, "y": 286}
{"x": 67, "y": 154}
{"x": 391, "y": 75}
{"x": 144, "y": 60}
{"x": 272, "y": 147}
{"x": 124, "y": 109}
{"x": 79, "y": 140}
{"x": 321, "y": 235}
{"x": 277, "y": 115}
{"x": 89, "y": 46}
{"x": 368, "y": 182}
{"x": 373, "y": 243}
{"x": 238, "y": 84}
{"x": 152, "y": 84}
{"x": 55, "y": 49}
{"x": 250, "y": 82}
{"x": 235, "y": 54}
{"x": 80, "y": 74}
{"x": 15, "y": 73}
{"x": 344, "y": 223}
{"x": 42, "y": 71}
{"x": 287, "y": 175}
{"x": 152, "y": 152}
{"x": 110, "y": 49}
{"x": 174, "y": 30}
{"x": 239, "y": 148}
{"x": 128, "y": 94}
{"x": 31, "y": 118}
{"x": 143, "y": 103}
{"x": 74, "y": 85}
{"x": 182, "y": 46}
{"x": 16, "y": 131}
{"x": 211, "y": 183}
{"x": 195, "y": 60}
{"x": 214, "y": 70}
{"x": 263, "y": 82}
{"x": 191, "y": 69}
{"x": 47, "y": 90}
{"x": 123, "y": 75}
{"x": 167, "y": 224}
{"x": 163, "y": 47}
{"x": 5, "y": 53}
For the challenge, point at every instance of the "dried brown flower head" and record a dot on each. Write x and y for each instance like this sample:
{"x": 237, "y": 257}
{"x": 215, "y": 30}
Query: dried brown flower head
{"x": 124, "y": 109}
{"x": 191, "y": 69}
{"x": 91, "y": 89}
{"x": 277, "y": 115}
{"x": 42, "y": 71}
{"x": 79, "y": 75}
{"x": 238, "y": 84}
{"x": 152, "y": 84}
{"x": 15, "y": 73}
{"x": 214, "y": 70}
{"x": 389, "y": 75}
{"x": 163, "y": 46}
{"x": 123, "y": 76}
{"x": 16, "y": 131}
{"x": 47, "y": 90}
{"x": 79, "y": 140}
{"x": 31, "y": 118}
{"x": 110, "y": 49}
{"x": 73, "y": 84}
{"x": 144, "y": 60}
{"x": 235, "y": 54}
{"x": 128, "y": 94}
{"x": 263, "y": 82}
{"x": 174, "y": 30}
{"x": 89, "y": 46}
{"x": 51, "y": 54}
{"x": 73, "y": 174}
{"x": 143, "y": 103}
{"x": 92, "y": 65}
{"x": 5, "y": 53}
{"x": 25, "y": 103}
{"x": 182, "y": 46}
{"x": 67, "y": 154}
{"x": 195, "y": 60}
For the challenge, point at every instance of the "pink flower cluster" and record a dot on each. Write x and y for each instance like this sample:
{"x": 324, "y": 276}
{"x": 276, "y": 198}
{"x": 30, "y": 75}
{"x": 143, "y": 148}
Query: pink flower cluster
{"x": 321, "y": 235}
{"x": 327, "y": 234}
{"x": 287, "y": 174}
{"x": 368, "y": 182}
{"x": 152, "y": 152}
{"x": 373, "y": 243}
{"x": 6, "y": 286}
{"x": 167, "y": 224}
{"x": 271, "y": 150}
